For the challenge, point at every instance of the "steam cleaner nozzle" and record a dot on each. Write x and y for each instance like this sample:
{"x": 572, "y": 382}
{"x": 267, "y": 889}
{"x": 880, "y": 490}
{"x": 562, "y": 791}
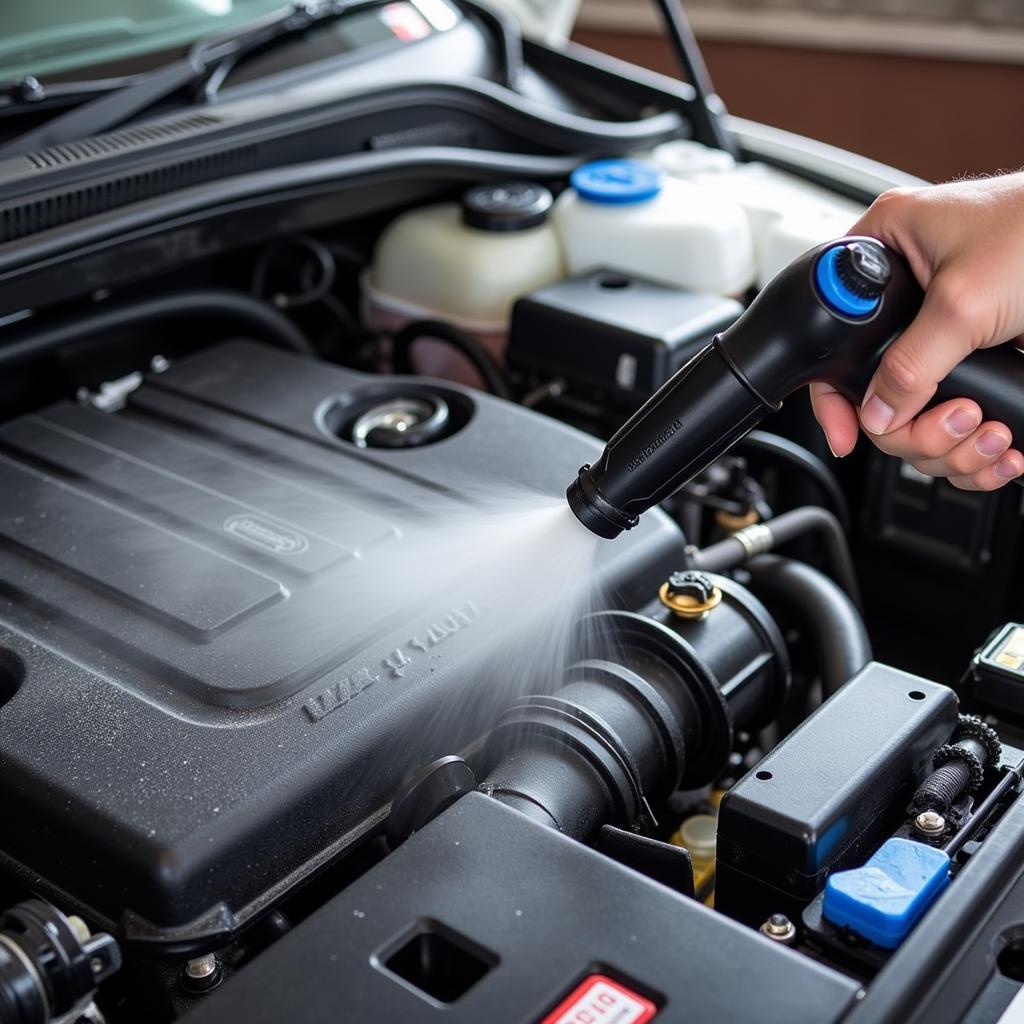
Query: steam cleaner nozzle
{"x": 829, "y": 316}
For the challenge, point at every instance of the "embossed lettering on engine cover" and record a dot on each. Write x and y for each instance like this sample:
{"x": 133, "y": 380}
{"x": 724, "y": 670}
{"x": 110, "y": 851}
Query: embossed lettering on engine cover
{"x": 339, "y": 694}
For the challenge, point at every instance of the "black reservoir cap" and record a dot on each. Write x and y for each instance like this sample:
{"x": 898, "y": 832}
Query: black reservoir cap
{"x": 506, "y": 206}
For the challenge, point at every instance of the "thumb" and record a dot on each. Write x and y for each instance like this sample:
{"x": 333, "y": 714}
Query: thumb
{"x": 942, "y": 334}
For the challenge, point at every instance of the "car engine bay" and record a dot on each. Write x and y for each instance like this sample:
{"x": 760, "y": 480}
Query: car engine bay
{"x": 268, "y": 369}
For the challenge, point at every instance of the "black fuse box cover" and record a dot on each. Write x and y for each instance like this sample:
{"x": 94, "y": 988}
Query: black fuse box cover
{"x": 614, "y": 334}
{"x": 193, "y": 726}
{"x": 520, "y": 915}
{"x": 829, "y": 793}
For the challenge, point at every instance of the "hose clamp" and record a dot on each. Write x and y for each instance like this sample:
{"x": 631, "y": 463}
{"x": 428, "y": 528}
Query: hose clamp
{"x": 755, "y": 540}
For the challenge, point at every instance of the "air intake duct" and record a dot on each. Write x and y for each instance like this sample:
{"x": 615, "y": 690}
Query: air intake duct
{"x": 655, "y": 707}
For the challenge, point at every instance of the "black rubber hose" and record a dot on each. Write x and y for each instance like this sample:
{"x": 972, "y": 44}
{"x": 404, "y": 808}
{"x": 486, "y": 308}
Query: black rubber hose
{"x": 806, "y": 462}
{"x": 317, "y": 275}
{"x": 263, "y": 320}
{"x": 734, "y": 551}
{"x": 825, "y": 612}
{"x": 438, "y": 330}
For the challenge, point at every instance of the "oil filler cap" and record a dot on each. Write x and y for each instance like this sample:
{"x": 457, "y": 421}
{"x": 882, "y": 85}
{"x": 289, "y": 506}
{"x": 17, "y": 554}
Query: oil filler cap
{"x": 852, "y": 277}
{"x": 885, "y": 898}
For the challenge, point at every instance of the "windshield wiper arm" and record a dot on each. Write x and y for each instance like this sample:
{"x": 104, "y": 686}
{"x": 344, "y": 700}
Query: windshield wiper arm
{"x": 207, "y": 63}
{"x": 28, "y": 93}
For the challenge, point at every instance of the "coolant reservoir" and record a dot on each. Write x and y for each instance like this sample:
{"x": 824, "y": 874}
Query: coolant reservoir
{"x": 787, "y": 215}
{"x": 627, "y": 215}
{"x": 465, "y": 263}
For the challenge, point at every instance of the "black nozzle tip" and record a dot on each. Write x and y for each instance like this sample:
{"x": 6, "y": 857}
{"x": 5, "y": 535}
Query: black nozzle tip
{"x": 594, "y": 511}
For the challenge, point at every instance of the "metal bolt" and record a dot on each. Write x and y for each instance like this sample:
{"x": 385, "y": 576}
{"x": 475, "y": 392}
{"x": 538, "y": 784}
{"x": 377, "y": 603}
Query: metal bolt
{"x": 779, "y": 928}
{"x": 159, "y": 364}
{"x": 202, "y": 973}
{"x": 201, "y": 967}
{"x": 930, "y": 824}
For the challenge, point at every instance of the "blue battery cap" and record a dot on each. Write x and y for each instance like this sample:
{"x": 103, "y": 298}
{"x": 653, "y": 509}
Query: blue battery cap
{"x": 836, "y": 293}
{"x": 885, "y": 898}
{"x": 617, "y": 182}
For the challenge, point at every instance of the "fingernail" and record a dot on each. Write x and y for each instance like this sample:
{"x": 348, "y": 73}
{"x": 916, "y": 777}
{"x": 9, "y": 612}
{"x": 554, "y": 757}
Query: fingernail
{"x": 991, "y": 443}
{"x": 875, "y": 415}
{"x": 960, "y": 422}
{"x": 1007, "y": 468}
{"x": 835, "y": 454}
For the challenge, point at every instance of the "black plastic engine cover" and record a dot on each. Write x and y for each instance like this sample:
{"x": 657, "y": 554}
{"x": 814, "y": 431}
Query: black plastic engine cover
{"x": 195, "y": 729}
{"x": 537, "y": 913}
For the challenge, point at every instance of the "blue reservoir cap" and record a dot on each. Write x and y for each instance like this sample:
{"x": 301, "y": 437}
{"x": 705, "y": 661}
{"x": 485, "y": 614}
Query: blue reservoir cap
{"x": 836, "y": 287}
{"x": 885, "y": 898}
{"x": 617, "y": 182}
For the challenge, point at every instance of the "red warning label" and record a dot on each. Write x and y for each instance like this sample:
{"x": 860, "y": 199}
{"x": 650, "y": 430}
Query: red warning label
{"x": 599, "y": 1000}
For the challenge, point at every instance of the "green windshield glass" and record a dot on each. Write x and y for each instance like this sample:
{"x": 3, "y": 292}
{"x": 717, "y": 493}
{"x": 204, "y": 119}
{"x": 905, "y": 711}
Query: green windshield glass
{"x": 47, "y": 37}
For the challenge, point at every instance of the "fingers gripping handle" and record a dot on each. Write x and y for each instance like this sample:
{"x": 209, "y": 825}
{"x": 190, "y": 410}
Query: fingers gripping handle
{"x": 994, "y": 378}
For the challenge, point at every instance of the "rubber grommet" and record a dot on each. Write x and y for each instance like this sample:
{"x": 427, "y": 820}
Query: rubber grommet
{"x": 971, "y": 725}
{"x": 951, "y": 752}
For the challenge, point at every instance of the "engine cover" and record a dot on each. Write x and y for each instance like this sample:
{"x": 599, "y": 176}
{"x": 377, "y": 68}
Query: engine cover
{"x": 191, "y": 726}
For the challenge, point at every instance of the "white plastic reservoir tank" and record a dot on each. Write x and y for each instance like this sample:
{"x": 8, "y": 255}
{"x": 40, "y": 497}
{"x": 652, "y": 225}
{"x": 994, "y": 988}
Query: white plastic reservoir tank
{"x": 465, "y": 263}
{"x": 787, "y": 215}
{"x": 628, "y": 215}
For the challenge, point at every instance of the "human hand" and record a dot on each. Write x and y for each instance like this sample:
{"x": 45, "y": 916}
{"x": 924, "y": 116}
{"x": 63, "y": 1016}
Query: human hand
{"x": 965, "y": 245}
